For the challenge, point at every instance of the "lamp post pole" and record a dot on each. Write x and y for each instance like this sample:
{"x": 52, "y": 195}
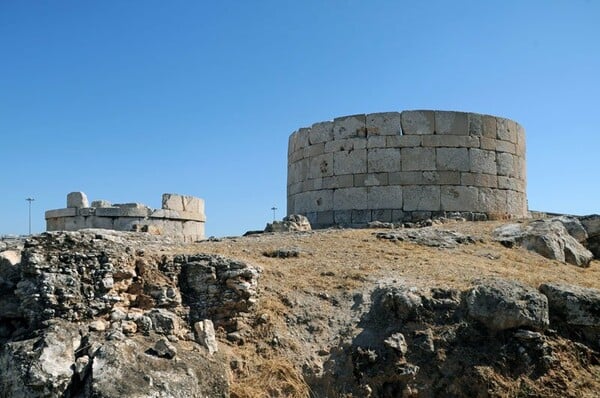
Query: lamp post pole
{"x": 274, "y": 208}
{"x": 30, "y": 200}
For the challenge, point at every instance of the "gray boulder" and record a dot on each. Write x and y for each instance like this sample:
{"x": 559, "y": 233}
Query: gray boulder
{"x": 574, "y": 305}
{"x": 291, "y": 223}
{"x": 550, "y": 238}
{"x": 501, "y": 305}
{"x": 574, "y": 227}
{"x": 575, "y": 311}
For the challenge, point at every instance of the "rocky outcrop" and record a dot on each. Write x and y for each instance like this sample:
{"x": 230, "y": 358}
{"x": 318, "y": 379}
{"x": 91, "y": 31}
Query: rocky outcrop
{"x": 291, "y": 223}
{"x": 91, "y": 314}
{"x": 436, "y": 342}
{"x": 575, "y": 311}
{"x": 427, "y": 236}
{"x": 501, "y": 305}
{"x": 550, "y": 238}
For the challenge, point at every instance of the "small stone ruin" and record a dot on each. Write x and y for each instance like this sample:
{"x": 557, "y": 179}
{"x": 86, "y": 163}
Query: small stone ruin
{"x": 180, "y": 217}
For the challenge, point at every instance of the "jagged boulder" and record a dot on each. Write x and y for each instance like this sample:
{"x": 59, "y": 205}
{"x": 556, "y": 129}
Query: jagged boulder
{"x": 501, "y": 305}
{"x": 291, "y": 223}
{"x": 550, "y": 238}
{"x": 574, "y": 309}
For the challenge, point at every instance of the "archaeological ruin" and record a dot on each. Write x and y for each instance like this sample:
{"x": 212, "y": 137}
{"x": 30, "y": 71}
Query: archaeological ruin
{"x": 181, "y": 217}
{"x": 407, "y": 166}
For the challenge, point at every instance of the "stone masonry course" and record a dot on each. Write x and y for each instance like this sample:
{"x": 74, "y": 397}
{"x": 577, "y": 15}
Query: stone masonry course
{"x": 406, "y": 166}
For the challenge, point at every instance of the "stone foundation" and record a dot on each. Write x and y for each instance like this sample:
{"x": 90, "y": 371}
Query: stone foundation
{"x": 181, "y": 217}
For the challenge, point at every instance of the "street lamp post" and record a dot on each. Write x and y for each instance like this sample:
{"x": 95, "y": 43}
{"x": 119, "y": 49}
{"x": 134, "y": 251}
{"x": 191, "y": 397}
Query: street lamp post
{"x": 30, "y": 200}
{"x": 274, "y": 208}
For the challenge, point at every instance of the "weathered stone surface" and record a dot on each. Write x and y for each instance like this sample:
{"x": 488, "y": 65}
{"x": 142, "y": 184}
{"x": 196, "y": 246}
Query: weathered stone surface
{"x": 386, "y": 197}
{"x": 320, "y": 166}
{"x": 573, "y": 305}
{"x": 457, "y": 198}
{"x": 350, "y": 126}
{"x": 501, "y": 305}
{"x": 383, "y": 160}
{"x": 291, "y": 223}
{"x": 417, "y": 159}
{"x": 101, "y": 203}
{"x": 455, "y": 123}
{"x": 427, "y": 236}
{"x": 205, "y": 335}
{"x": 59, "y": 213}
{"x": 418, "y": 122}
{"x": 451, "y": 141}
{"x": 546, "y": 237}
{"x": 384, "y": 124}
{"x": 482, "y": 161}
{"x": 505, "y": 164}
{"x": 77, "y": 200}
{"x": 164, "y": 349}
{"x": 452, "y": 159}
{"x": 425, "y": 197}
{"x": 350, "y": 162}
{"x": 350, "y": 198}
{"x": 574, "y": 227}
{"x": 320, "y": 133}
{"x": 321, "y": 200}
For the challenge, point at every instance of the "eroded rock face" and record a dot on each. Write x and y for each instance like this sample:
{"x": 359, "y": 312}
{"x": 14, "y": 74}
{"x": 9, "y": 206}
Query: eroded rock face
{"x": 551, "y": 238}
{"x": 501, "y": 305}
{"x": 591, "y": 224}
{"x": 575, "y": 309}
{"x": 91, "y": 314}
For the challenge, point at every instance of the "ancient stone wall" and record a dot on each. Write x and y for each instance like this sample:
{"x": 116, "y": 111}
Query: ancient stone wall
{"x": 181, "y": 217}
{"x": 406, "y": 166}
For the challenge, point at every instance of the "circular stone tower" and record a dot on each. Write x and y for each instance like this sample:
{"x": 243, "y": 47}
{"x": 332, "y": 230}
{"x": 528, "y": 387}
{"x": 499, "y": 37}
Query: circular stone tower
{"x": 407, "y": 166}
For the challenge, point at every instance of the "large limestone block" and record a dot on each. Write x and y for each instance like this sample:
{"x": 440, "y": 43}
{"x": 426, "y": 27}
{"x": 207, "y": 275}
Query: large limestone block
{"x": 506, "y": 130}
{"x": 345, "y": 144}
{"x": 482, "y": 161}
{"x": 516, "y": 204}
{"x": 172, "y": 201}
{"x": 298, "y": 171}
{"x": 450, "y": 141}
{"x": 403, "y": 141}
{"x": 381, "y": 197}
{"x": 77, "y": 200}
{"x": 489, "y": 126}
{"x": 377, "y": 141}
{"x": 418, "y": 122}
{"x": 459, "y": 198}
{"x": 417, "y": 159}
{"x": 505, "y": 146}
{"x": 383, "y": 160}
{"x": 370, "y": 179}
{"x": 350, "y": 162}
{"x": 475, "y": 124}
{"x": 573, "y": 305}
{"x": 441, "y": 177}
{"x": 479, "y": 180}
{"x": 321, "y": 166}
{"x": 321, "y": 200}
{"x": 77, "y": 223}
{"x": 350, "y": 198}
{"x": 102, "y": 222}
{"x": 350, "y": 126}
{"x": 455, "y": 123}
{"x": 492, "y": 201}
{"x": 343, "y": 181}
{"x": 424, "y": 197}
{"x": 511, "y": 183}
{"x": 452, "y": 159}
{"x": 320, "y": 133}
{"x": 314, "y": 150}
{"x": 193, "y": 204}
{"x": 58, "y": 213}
{"x": 386, "y": 123}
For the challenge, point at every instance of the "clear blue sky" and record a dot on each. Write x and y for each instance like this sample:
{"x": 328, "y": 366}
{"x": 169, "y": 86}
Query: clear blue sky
{"x": 125, "y": 100}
